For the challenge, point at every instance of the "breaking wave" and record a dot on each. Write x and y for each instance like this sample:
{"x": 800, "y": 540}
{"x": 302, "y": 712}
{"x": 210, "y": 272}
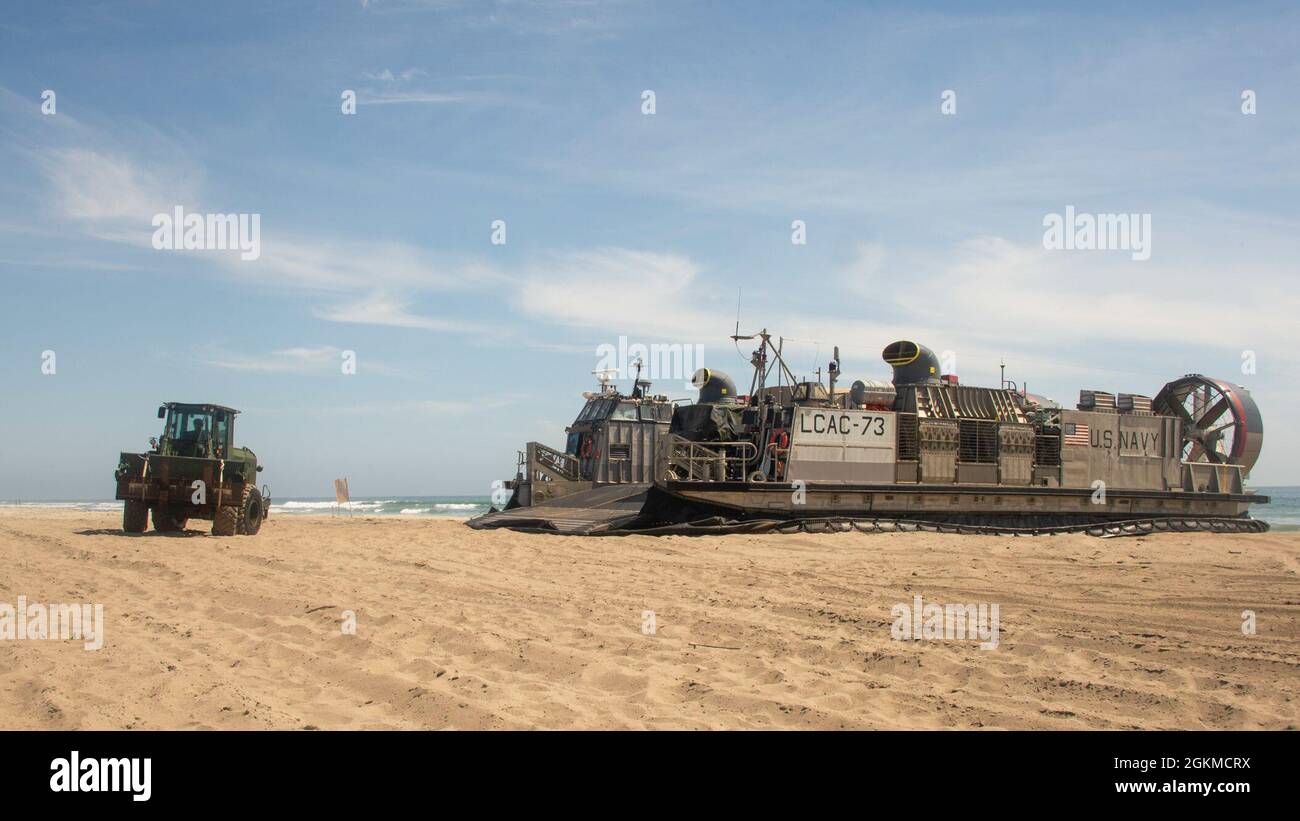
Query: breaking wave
{"x": 448, "y": 507}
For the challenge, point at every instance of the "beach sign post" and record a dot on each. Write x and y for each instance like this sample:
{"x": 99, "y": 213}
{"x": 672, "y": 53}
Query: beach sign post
{"x": 341, "y": 496}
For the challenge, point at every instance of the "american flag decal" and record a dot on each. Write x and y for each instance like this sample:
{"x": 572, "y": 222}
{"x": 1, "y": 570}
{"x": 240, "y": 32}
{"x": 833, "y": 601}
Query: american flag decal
{"x": 1076, "y": 433}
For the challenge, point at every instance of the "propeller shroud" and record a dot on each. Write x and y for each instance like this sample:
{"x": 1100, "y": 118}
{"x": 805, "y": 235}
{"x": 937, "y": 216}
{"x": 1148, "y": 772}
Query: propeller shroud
{"x": 1221, "y": 422}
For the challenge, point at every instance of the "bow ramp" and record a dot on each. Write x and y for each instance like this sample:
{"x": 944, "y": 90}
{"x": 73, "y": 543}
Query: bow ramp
{"x": 590, "y": 511}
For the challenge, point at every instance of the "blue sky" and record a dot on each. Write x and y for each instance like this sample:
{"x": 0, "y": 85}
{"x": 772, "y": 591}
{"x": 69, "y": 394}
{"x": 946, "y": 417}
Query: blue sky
{"x": 376, "y": 237}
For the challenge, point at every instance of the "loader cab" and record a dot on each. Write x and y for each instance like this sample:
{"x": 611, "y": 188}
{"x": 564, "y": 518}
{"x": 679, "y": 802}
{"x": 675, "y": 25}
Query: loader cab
{"x": 196, "y": 431}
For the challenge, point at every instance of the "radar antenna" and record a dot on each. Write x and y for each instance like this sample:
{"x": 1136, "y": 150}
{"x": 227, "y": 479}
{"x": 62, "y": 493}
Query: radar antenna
{"x": 604, "y": 376}
{"x": 762, "y": 365}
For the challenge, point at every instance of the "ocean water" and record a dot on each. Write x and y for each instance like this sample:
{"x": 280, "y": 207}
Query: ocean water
{"x": 461, "y": 507}
{"x": 458, "y": 507}
{"x": 1283, "y": 509}
{"x": 1282, "y": 512}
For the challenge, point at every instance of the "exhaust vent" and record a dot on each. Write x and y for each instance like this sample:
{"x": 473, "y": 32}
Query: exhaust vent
{"x": 913, "y": 364}
{"x": 714, "y": 386}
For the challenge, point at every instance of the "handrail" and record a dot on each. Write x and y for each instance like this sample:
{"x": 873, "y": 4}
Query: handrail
{"x": 709, "y": 462}
{"x": 774, "y": 452}
{"x": 548, "y": 463}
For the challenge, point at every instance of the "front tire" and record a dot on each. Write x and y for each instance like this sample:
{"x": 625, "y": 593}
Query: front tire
{"x": 226, "y": 521}
{"x": 250, "y": 512}
{"x": 135, "y": 516}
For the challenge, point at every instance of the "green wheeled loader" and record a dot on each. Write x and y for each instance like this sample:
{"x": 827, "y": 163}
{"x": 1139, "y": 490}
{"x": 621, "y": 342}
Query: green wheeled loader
{"x": 193, "y": 471}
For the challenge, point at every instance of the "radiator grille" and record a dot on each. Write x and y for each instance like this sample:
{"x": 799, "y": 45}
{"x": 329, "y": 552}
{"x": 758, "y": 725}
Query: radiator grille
{"x": 1047, "y": 448}
{"x": 620, "y": 451}
{"x": 979, "y": 441}
{"x": 907, "y": 445}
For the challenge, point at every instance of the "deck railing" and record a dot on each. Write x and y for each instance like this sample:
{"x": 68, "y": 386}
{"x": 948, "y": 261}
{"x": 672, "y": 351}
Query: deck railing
{"x": 712, "y": 462}
{"x": 541, "y": 463}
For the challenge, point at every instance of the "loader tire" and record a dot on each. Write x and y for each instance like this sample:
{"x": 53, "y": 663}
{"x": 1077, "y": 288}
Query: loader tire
{"x": 250, "y": 512}
{"x": 135, "y": 516}
{"x": 226, "y": 521}
{"x": 169, "y": 519}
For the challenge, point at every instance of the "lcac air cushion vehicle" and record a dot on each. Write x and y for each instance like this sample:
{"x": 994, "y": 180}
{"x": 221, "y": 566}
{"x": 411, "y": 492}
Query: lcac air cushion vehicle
{"x": 922, "y": 450}
{"x": 193, "y": 471}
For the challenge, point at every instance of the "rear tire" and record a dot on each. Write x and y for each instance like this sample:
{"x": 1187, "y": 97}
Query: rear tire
{"x": 169, "y": 519}
{"x": 226, "y": 521}
{"x": 250, "y": 512}
{"x": 135, "y": 516}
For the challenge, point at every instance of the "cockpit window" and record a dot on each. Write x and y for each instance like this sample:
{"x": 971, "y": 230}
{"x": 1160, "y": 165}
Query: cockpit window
{"x": 188, "y": 432}
{"x": 188, "y": 425}
{"x": 222, "y": 435}
{"x": 598, "y": 409}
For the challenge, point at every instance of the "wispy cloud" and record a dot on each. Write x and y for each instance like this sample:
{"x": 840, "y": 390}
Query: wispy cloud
{"x": 544, "y": 17}
{"x": 113, "y": 197}
{"x": 406, "y": 408}
{"x": 1070, "y": 298}
{"x": 381, "y": 309}
{"x": 387, "y": 75}
{"x": 109, "y": 196}
{"x": 612, "y": 290}
{"x": 618, "y": 290}
{"x": 387, "y": 87}
{"x": 411, "y": 97}
{"x": 289, "y": 360}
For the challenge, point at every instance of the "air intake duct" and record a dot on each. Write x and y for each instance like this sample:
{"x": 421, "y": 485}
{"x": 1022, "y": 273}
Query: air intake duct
{"x": 913, "y": 364}
{"x": 715, "y": 386}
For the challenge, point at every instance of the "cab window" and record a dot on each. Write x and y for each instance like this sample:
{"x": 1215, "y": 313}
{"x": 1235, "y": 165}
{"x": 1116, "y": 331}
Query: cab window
{"x": 221, "y": 439}
{"x": 188, "y": 425}
{"x": 189, "y": 432}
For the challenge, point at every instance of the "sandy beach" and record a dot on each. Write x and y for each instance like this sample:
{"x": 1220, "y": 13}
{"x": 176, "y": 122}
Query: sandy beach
{"x": 458, "y": 628}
